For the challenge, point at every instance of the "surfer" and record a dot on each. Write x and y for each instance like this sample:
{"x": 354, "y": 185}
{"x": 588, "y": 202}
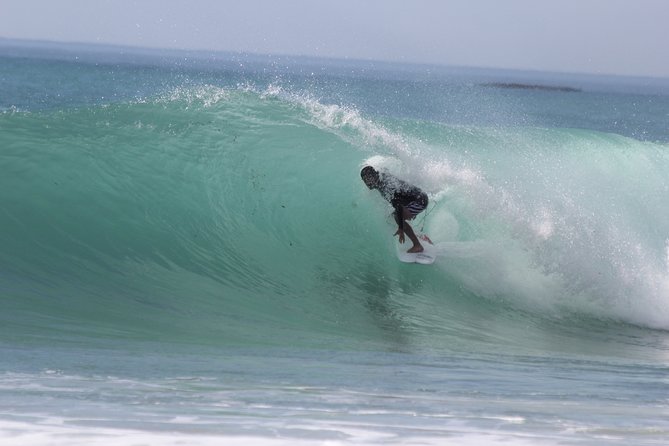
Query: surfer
{"x": 407, "y": 200}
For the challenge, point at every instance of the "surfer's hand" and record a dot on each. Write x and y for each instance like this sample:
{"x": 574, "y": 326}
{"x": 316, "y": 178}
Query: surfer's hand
{"x": 400, "y": 233}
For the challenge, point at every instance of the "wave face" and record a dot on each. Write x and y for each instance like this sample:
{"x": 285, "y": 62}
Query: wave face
{"x": 235, "y": 214}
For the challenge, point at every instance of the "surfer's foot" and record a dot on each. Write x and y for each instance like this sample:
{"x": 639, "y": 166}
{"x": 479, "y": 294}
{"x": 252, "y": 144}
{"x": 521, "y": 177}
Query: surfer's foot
{"x": 416, "y": 248}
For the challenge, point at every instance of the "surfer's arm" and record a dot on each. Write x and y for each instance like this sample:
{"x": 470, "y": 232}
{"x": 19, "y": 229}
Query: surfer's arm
{"x": 399, "y": 212}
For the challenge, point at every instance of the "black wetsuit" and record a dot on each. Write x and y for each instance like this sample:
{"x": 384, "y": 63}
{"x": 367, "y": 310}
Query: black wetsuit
{"x": 402, "y": 195}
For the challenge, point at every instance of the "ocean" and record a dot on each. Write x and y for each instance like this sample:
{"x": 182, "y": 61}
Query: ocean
{"x": 189, "y": 257}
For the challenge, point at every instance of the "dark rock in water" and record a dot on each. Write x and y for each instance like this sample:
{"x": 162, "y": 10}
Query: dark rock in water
{"x": 519, "y": 86}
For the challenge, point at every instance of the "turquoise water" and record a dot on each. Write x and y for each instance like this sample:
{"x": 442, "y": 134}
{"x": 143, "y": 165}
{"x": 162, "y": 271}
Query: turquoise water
{"x": 188, "y": 255}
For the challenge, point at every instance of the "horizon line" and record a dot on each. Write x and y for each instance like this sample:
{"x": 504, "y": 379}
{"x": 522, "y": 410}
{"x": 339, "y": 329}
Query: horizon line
{"x": 62, "y": 45}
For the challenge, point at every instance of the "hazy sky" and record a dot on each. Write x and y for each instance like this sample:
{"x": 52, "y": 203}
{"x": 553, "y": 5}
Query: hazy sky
{"x": 629, "y": 37}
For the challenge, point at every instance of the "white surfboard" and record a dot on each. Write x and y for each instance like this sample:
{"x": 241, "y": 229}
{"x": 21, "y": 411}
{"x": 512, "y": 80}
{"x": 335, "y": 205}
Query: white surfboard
{"x": 427, "y": 257}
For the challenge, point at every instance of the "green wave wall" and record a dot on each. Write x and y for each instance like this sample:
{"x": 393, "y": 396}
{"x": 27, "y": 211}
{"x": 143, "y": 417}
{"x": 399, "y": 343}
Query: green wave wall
{"x": 235, "y": 216}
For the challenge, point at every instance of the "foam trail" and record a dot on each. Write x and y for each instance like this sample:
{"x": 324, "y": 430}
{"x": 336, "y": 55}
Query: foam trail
{"x": 463, "y": 250}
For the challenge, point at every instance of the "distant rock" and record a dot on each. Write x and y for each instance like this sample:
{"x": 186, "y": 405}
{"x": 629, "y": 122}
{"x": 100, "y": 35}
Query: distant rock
{"x": 519, "y": 86}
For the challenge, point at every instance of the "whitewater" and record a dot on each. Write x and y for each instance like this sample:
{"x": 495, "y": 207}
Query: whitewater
{"x": 188, "y": 254}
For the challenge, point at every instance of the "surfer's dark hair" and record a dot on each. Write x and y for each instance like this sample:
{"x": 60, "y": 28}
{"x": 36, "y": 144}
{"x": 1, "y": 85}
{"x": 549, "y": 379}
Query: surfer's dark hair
{"x": 369, "y": 172}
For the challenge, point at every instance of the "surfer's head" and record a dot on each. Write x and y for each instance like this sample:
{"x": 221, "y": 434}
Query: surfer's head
{"x": 370, "y": 176}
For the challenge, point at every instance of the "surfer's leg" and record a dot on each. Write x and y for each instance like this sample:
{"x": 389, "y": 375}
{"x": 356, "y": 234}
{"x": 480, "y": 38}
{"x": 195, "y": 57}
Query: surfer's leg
{"x": 408, "y": 230}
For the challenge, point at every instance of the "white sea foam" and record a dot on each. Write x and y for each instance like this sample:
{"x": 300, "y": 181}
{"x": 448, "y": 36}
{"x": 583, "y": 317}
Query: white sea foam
{"x": 60, "y": 432}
